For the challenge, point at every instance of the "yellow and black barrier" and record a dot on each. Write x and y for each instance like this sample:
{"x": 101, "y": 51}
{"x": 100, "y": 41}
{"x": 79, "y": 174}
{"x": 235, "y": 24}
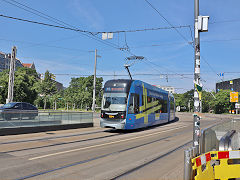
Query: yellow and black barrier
{"x": 217, "y": 165}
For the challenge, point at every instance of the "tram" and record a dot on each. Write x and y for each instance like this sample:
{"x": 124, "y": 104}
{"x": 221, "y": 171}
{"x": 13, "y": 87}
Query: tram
{"x": 133, "y": 104}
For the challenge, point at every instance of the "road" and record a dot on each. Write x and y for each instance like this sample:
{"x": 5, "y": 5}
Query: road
{"x": 96, "y": 153}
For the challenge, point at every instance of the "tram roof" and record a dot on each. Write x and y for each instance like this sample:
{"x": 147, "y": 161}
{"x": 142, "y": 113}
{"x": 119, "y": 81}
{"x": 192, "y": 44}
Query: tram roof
{"x": 128, "y": 83}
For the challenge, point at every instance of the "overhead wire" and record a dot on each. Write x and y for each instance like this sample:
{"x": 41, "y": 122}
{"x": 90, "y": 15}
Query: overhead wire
{"x": 166, "y": 20}
{"x": 98, "y": 32}
{"x": 74, "y": 29}
{"x": 141, "y": 30}
{"x": 44, "y": 45}
{"x": 151, "y": 63}
{"x": 179, "y": 33}
{"x": 225, "y": 21}
{"x": 60, "y": 27}
{"x": 83, "y": 32}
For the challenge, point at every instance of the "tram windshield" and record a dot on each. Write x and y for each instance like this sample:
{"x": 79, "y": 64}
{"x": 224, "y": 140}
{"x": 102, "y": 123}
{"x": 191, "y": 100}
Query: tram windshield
{"x": 114, "y": 101}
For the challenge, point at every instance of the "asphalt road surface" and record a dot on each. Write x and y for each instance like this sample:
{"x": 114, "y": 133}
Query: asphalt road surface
{"x": 97, "y": 153}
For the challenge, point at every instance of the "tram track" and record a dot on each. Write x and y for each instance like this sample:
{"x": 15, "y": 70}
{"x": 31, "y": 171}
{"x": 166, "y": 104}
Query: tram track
{"x": 63, "y": 143}
{"x": 51, "y": 138}
{"x": 149, "y": 162}
{"x": 114, "y": 153}
{"x": 59, "y": 144}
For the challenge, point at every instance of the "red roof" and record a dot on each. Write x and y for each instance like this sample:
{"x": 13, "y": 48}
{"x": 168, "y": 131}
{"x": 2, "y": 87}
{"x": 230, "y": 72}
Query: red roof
{"x": 28, "y": 65}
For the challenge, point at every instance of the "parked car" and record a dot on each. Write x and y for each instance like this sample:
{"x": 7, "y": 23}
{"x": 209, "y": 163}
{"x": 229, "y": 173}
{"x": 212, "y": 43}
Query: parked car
{"x": 18, "y": 110}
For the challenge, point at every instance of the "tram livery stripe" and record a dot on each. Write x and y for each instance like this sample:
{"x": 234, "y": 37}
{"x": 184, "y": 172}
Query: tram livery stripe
{"x": 148, "y": 112}
{"x": 147, "y": 105}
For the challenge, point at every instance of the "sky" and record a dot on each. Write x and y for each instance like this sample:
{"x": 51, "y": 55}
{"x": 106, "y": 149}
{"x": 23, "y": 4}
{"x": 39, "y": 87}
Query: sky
{"x": 167, "y": 54}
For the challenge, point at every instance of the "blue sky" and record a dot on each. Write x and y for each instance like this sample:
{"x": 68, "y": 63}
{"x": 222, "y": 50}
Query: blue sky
{"x": 69, "y": 52}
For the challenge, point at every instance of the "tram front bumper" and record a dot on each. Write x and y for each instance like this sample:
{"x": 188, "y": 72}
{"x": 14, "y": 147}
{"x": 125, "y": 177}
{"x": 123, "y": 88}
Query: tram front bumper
{"x": 116, "y": 123}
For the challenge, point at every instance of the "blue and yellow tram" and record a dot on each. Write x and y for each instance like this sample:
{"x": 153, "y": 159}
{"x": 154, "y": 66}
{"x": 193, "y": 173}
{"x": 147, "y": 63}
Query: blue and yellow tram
{"x": 132, "y": 104}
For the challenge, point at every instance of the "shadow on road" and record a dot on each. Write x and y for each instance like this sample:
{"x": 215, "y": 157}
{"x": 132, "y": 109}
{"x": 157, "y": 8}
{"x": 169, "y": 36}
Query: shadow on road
{"x": 122, "y": 131}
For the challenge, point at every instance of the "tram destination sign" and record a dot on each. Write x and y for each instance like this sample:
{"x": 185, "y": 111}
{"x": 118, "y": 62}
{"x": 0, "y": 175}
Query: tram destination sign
{"x": 115, "y": 89}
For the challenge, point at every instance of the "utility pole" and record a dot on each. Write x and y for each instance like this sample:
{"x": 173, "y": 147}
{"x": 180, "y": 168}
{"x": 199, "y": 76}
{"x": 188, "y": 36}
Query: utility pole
{"x": 11, "y": 75}
{"x": 196, "y": 124}
{"x": 200, "y": 25}
{"x": 94, "y": 82}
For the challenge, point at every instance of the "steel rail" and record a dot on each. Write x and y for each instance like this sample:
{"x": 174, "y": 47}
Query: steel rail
{"x": 50, "y": 138}
{"x": 58, "y": 144}
{"x": 109, "y": 154}
{"x": 151, "y": 161}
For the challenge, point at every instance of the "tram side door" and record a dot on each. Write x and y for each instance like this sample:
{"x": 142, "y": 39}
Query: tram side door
{"x": 169, "y": 109}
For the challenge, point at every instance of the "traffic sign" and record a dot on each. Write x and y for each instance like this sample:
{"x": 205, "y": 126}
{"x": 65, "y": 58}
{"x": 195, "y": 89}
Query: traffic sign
{"x": 237, "y": 105}
{"x": 233, "y": 96}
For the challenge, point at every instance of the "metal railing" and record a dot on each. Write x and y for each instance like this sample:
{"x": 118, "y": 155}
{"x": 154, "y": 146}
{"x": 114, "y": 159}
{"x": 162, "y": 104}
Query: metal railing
{"x": 34, "y": 118}
{"x": 229, "y": 141}
{"x": 227, "y": 133}
{"x": 222, "y": 137}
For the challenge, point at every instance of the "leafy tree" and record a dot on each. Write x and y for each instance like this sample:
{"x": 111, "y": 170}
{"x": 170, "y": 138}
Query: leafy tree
{"x": 187, "y": 97}
{"x": 208, "y": 101}
{"x": 24, "y": 85}
{"x": 4, "y": 86}
{"x": 222, "y": 102}
{"x": 80, "y": 91}
{"x": 46, "y": 87}
{"x": 184, "y": 99}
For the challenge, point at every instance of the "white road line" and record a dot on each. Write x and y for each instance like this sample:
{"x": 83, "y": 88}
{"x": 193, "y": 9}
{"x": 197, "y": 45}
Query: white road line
{"x": 99, "y": 145}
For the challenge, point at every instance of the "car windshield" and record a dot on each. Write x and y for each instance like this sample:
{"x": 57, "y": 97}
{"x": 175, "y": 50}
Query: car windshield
{"x": 8, "y": 105}
{"x": 114, "y": 101}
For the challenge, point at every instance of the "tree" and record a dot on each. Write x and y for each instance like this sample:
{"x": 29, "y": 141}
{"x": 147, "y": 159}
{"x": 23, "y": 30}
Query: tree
{"x": 80, "y": 91}
{"x": 222, "y": 102}
{"x": 24, "y": 85}
{"x": 207, "y": 101}
{"x": 47, "y": 87}
{"x": 4, "y": 86}
{"x": 184, "y": 99}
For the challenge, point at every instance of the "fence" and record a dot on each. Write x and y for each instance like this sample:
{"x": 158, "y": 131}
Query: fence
{"x": 211, "y": 137}
{"x": 217, "y": 160}
{"x": 217, "y": 165}
{"x": 10, "y": 119}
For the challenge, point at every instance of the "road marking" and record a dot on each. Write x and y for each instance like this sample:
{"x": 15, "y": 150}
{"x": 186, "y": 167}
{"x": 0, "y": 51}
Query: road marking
{"x": 99, "y": 145}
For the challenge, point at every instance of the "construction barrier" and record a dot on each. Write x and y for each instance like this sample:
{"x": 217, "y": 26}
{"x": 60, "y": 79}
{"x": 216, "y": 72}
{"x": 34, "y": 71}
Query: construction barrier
{"x": 217, "y": 165}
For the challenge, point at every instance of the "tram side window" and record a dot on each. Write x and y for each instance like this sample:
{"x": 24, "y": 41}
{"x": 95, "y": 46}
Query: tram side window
{"x": 158, "y": 104}
{"x": 172, "y": 104}
{"x": 149, "y": 99}
{"x": 133, "y": 107}
{"x": 143, "y": 100}
{"x": 164, "y": 105}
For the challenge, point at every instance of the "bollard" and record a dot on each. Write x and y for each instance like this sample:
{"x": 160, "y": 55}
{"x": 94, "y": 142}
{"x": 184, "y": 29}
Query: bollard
{"x": 194, "y": 152}
{"x": 191, "y": 156}
{"x": 187, "y": 164}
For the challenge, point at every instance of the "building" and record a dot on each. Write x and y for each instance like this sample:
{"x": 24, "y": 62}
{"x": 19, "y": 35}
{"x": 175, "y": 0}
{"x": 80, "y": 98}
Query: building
{"x": 29, "y": 65}
{"x": 167, "y": 88}
{"x": 59, "y": 86}
{"x": 5, "y": 61}
{"x": 5, "y": 64}
{"x": 233, "y": 85}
